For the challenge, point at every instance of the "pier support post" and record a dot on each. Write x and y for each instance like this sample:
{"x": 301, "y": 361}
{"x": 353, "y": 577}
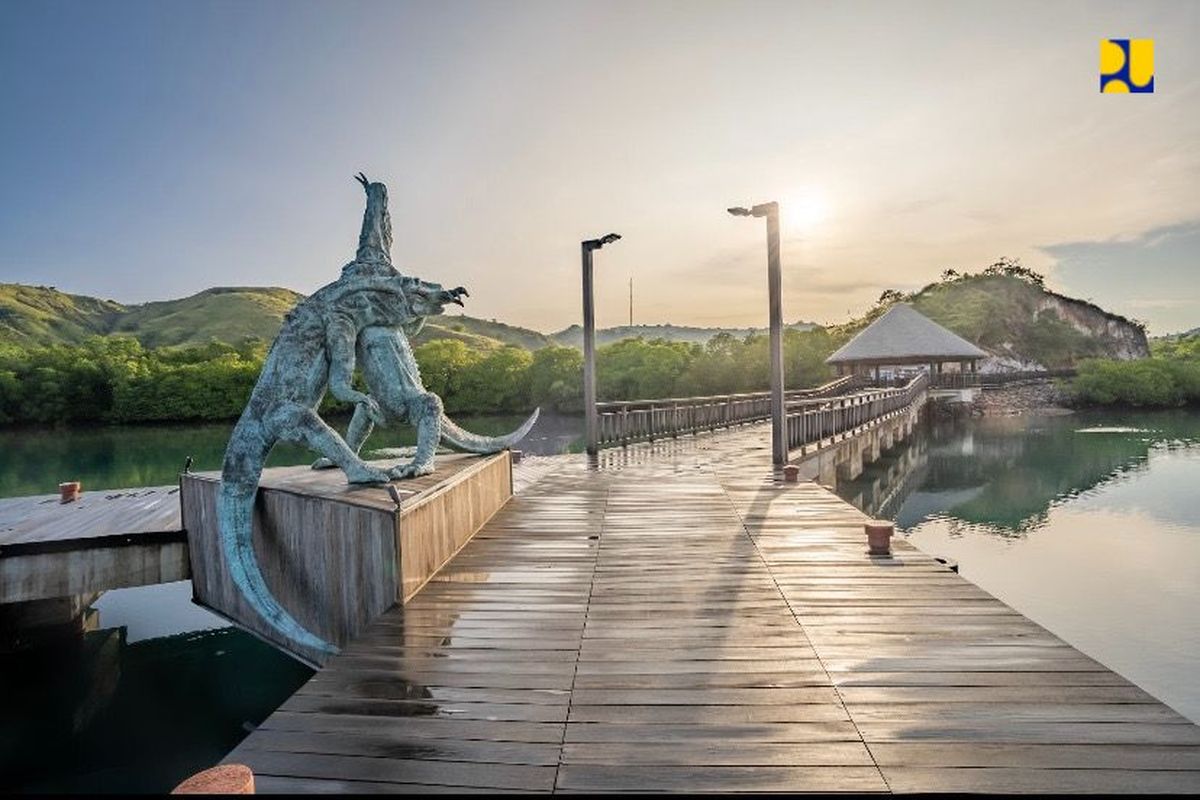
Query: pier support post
{"x": 851, "y": 465}
{"x": 873, "y": 448}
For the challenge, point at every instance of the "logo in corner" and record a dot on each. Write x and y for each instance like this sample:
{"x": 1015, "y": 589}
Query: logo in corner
{"x": 1127, "y": 66}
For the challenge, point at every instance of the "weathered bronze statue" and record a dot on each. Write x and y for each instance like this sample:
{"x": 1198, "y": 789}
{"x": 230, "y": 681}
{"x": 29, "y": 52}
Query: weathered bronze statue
{"x": 358, "y": 319}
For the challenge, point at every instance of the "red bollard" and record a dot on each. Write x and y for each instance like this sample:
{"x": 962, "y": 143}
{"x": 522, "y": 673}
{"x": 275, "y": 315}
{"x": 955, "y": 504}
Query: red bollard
{"x": 223, "y": 779}
{"x": 879, "y": 537}
{"x": 791, "y": 473}
{"x": 69, "y": 491}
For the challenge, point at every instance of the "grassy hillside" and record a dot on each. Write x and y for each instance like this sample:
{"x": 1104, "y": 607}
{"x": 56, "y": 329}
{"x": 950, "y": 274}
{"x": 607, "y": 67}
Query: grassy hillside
{"x": 491, "y": 329}
{"x": 227, "y": 314}
{"x": 40, "y": 315}
{"x": 434, "y": 331}
{"x": 1007, "y": 311}
{"x": 32, "y": 315}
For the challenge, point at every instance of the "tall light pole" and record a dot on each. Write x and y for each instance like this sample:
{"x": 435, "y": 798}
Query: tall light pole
{"x": 779, "y": 447}
{"x": 587, "y": 247}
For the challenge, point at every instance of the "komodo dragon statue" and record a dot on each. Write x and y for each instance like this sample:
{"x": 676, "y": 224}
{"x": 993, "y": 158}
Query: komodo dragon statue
{"x": 313, "y": 352}
{"x": 357, "y": 319}
{"x": 390, "y": 370}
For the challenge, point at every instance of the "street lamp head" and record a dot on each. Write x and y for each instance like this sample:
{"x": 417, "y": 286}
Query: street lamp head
{"x": 596, "y": 244}
{"x": 760, "y": 210}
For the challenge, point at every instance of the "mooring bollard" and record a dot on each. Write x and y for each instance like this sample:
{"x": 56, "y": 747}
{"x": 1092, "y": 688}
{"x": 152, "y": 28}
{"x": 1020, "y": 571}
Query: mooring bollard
{"x": 69, "y": 491}
{"x": 223, "y": 779}
{"x": 879, "y": 537}
{"x": 791, "y": 473}
{"x": 516, "y": 456}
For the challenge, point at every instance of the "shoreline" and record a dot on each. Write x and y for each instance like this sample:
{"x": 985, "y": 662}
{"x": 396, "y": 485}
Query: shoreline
{"x": 1037, "y": 397}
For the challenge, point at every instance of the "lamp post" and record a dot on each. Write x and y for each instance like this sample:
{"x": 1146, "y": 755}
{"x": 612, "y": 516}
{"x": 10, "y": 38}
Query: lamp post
{"x": 587, "y": 247}
{"x": 779, "y": 447}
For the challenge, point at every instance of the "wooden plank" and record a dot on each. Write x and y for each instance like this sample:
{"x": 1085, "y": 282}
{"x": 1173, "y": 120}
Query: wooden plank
{"x": 1057, "y": 756}
{"x": 993, "y": 780}
{"x": 699, "y": 778}
{"x": 401, "y": 770}
{"x": 273, "y": 784}
{"x": 384, "y": 743}
{"x": 431, "y": 728}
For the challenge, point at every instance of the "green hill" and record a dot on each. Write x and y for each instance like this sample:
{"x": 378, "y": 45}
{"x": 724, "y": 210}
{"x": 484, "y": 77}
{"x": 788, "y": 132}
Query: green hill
{"x": 227, "y": 314}
{"x": 491, "y": 329}
{"x": 43, "y": 315}
{"x": 1007, "y": 311}
{"x": 40, "y": 315}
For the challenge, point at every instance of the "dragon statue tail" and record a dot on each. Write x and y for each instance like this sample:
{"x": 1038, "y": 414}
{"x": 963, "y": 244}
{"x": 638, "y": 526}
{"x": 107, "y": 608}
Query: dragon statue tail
{"x": 462, "y": 439}
{"x": 235, "y": 509}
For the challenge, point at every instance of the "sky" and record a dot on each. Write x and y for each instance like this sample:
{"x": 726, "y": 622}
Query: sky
{"x": 149, "y": 150}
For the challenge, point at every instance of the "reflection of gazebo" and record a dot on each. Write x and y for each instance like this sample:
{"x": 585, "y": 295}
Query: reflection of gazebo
{"x": 905, "y": 337}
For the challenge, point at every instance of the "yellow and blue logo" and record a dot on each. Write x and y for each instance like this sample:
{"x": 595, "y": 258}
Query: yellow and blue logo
{"x": 1127, "y": 66}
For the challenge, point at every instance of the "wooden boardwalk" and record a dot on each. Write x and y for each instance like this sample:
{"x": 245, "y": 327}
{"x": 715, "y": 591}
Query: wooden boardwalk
{"x": 41, "y": 523}
{"x": 107, "y": 539}
{"x": 676, "y": 620}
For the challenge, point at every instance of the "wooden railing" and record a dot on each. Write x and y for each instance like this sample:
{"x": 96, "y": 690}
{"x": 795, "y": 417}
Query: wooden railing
{"x": 813, "y": 421}
{"x": 955, "y": 380}
{"x": 946, "y": 380}
{"x": 646, "y": 420}
{"x": 1002, "y": 378}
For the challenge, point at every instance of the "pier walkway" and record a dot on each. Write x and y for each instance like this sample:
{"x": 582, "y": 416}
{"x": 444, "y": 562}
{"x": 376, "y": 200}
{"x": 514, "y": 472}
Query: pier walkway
{"x": 677, "y": 620}
{"x": 107, "y": 539}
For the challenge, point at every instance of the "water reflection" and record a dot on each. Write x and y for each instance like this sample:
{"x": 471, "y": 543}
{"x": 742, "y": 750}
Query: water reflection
{"x": 96, "y": 712}
{"x": 34, "y": 460}
{"x": 1006, "y": 473}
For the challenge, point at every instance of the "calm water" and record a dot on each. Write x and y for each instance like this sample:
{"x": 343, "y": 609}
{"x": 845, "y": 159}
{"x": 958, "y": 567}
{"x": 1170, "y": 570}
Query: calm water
{"x": 35, "y": 461}
{"x": 158, "y": 688}
{"x": 1089, "y": 524}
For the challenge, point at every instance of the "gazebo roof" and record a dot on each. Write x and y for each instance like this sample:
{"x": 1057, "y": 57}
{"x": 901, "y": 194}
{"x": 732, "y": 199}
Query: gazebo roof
{"x": 903, "y": 334}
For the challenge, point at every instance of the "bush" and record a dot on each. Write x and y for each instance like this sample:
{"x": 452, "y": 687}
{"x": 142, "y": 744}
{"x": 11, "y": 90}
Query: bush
{"x": 1148, "y": 382}
{"x": 556, "y": 378}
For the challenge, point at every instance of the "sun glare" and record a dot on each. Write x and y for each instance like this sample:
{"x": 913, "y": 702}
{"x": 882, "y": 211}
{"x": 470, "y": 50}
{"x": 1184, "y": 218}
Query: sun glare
{"x": 804, "y": 211}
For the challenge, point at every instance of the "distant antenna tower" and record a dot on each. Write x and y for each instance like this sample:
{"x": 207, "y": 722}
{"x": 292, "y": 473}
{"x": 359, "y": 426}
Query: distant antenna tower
{"x": 631, "y": 302}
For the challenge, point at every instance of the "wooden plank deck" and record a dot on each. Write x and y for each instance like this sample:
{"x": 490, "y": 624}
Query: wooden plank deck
{"x": 41, "y": 523}
{"x": 678, "y": 621}
{"x": 107, "y": 539}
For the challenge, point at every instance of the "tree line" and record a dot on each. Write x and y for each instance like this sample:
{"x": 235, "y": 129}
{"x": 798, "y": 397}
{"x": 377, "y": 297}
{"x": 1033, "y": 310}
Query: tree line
{"x": 116, "y": 379}
{"x": 1169, "y": 378}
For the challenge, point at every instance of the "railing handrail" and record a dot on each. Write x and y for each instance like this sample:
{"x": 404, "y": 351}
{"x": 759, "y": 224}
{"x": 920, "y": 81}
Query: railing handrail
{"x": 823, "y": 411}
{"x": 617, "y": 405}
{"x": 861, "y": 396}
{"x": 815, "y": 421}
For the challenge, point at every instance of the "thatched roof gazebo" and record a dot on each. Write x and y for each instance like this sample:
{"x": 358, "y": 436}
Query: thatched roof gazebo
{"x": 904, "y": 336}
